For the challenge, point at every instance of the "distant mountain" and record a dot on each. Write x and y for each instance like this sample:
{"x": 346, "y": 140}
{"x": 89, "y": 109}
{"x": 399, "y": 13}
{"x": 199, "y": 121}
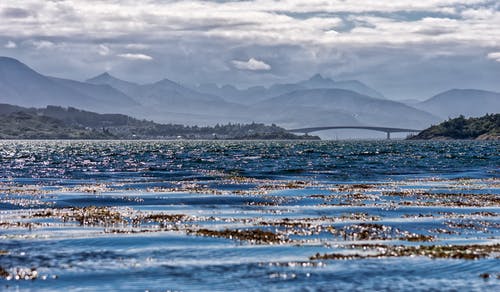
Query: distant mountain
{"x": 108, "y": 79}
{"x": 289, "y": 105}
{"x": 314, "y": 107}
{"x": 23, "y": 86}
{"x": 232, "y": 94}
{"x": 169, "y": 96}
{"x": 317, "y": 101}
{"x": 482, "y": 128}
{"x": 169, "y": 92}
{"x": 467, "y": 102}
{"x": 290, "y": 116}
{"x": 107, "y": 95}
{"x": 259, "y": 93}
{"x": 318, "y": 81}
{"x": 410, "y": 101}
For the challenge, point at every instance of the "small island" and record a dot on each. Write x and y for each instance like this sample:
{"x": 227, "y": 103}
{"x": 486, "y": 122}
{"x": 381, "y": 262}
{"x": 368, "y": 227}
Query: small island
{"x": 483, "y": 128}
{"x": 55, "y": 122}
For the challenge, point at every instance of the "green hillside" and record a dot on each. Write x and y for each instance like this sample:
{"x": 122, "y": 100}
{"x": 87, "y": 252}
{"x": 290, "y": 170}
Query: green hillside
{"x": 483, "y": 128}
{"x": 54, "y": 122}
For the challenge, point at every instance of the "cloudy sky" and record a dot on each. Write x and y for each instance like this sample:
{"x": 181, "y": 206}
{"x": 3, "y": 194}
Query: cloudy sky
{"x": 403, "y": 48}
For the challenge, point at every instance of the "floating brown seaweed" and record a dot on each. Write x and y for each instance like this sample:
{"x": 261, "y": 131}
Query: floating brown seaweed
{"x": 254, "y": 235}
{"x": 92, "y": 215}
{"x": 466, "y": 252}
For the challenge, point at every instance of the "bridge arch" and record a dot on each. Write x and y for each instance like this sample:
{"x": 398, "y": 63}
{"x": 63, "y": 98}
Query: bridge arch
{"x": 387, "y": 130}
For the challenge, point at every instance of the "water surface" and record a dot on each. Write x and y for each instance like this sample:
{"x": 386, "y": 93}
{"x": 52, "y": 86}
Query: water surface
{"x": 155, "y": 215}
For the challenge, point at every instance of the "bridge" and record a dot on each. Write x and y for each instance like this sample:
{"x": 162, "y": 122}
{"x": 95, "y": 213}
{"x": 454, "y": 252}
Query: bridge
{"x": 386, "y": 130}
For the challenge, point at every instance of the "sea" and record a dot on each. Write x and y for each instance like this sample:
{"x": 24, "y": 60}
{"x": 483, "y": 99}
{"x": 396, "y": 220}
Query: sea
{"x": 250, "y": 215}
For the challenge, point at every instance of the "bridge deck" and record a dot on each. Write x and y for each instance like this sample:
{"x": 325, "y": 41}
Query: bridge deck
{"x": 380, "y": 129}
{"x": 386, "y": 130}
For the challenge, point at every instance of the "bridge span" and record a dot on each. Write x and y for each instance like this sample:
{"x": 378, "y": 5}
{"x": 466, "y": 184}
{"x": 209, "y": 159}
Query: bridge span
{"x": 386, "y": 130}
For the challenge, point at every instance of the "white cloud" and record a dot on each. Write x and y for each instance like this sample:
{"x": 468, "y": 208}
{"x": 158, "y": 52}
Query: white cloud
{"x": 261, "y": 22}
{"x": 336, "y": 36}
{"x": 252, "y": 65}
{"x": 358, "y": 6}
{"x": 103, "y": 50}
{"x": 137, "y": 46}
{"x": 494, "y": 56}
{"x": 130, "y": 56}
{"x": 10, "y": 45}
{"x": 40, "y": 45}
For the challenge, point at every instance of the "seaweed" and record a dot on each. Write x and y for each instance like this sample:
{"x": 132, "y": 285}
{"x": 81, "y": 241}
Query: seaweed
{"x": 255, "y": 235}
{"x": 92, "y": 215}
{"x": 465, "y": 252}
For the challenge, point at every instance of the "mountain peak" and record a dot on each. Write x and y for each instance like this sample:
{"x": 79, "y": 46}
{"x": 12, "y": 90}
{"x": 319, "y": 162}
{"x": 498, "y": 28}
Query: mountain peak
{"x": 107, "y": 78}
{"x": 467, "y": 102}
{"x": 106, "y": 75}
{"x": 469, "y": 90}
{"x": 166, "y": 81}
{"x": 4, "y": 59}
{"x": 318, "y": 77}
{"x": 465, "y": 93}
{"x": 317, "y": 81}
{"x": 102, "y": 78}
{"x": 7, "y": 64}
{"x": 16, "y": 70}
{"x": 110, "y": 80}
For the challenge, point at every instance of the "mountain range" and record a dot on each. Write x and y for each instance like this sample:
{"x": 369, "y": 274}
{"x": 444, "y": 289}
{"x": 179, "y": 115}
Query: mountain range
{"x": 167, "y": 94}
{"x": 259, "y": 93}
{"x": 23, "y": 86}
{"x": 344, "y": 106}
{"x": 317, "y": 101}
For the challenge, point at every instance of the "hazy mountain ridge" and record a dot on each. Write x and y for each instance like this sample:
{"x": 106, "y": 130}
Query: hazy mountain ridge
{"x": 23, "y": 86}
{"x": 257, "y": 94}
{"x": 289, "y": 115}
{"x": 105, "y": 93}
{"x": 168, "y": 95}
{"x": 318, "y": 82}
{"x": 467, "y": 102}
{"x": 106, "y": 78}
{"x": 298, "y": 104}
{"x": 363, "y": 109}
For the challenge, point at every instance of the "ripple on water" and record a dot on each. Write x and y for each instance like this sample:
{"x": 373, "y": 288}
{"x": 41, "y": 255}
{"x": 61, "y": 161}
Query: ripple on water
{"x": 319, "y": 197}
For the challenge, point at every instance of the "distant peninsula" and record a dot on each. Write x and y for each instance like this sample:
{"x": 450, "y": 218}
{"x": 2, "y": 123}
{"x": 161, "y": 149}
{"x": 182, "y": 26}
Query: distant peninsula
{"x": 55, "y": 122}
{"x": 483, "y": 128}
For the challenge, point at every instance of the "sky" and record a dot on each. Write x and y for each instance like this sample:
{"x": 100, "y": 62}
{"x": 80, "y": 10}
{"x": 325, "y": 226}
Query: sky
{"x": 403, "y": 48}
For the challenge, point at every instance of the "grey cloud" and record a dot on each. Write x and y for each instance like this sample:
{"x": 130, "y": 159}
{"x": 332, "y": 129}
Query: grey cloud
{"x": 254, "y": 22}
{"x": 13, "y": 12}
{"x": 400, "y": 50}
{"x": 435, "y": 31}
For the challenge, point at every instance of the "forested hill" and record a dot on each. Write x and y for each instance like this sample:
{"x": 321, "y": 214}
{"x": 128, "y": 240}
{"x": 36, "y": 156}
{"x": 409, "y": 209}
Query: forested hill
{"x": 484, "y": 128}
{"x": 54, "y": 122}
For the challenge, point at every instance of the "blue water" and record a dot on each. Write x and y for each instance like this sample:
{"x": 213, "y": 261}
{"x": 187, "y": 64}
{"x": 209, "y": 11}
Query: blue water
{"x": 246, "y": 186}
